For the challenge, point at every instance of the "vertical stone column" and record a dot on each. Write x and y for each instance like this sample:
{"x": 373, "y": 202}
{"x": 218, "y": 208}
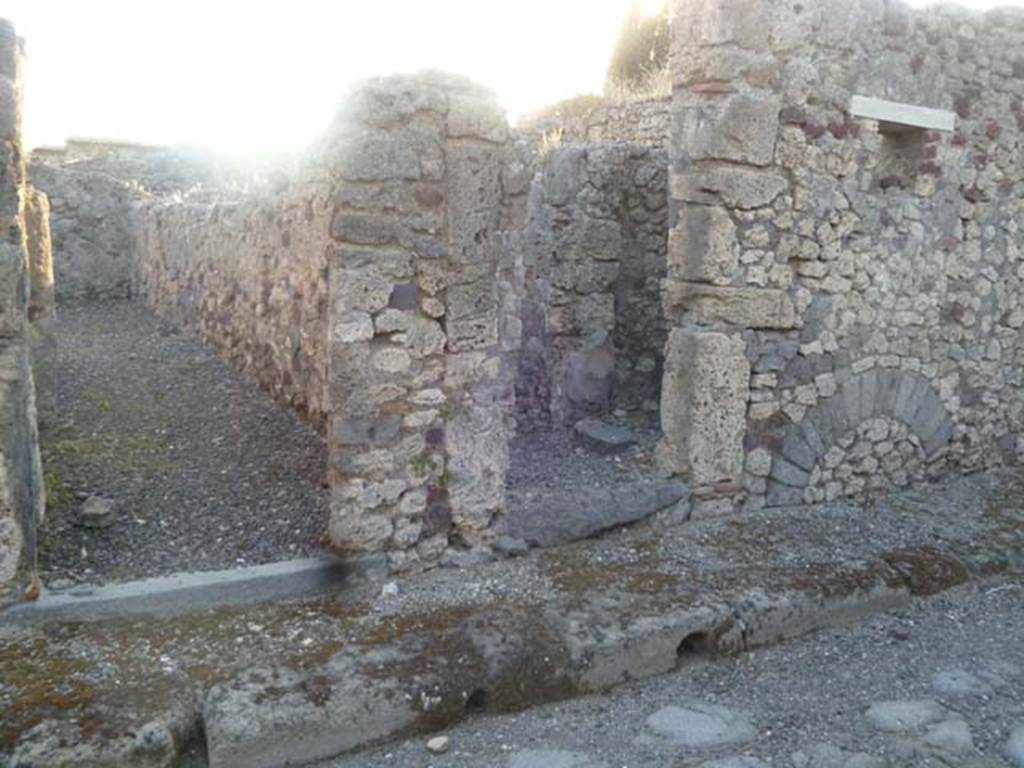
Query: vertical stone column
{"x": 21, "y": 496}
{"x": 419, "y": 390}
{"x": 725, "y": 122}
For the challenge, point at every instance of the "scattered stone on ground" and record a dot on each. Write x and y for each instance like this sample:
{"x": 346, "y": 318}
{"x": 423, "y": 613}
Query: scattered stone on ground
{"x": 905, "y": 715}
{"x": 700, "y": 725}
{"x": 208, "y": 472}
{"x": 603, "y": 437}
{"x": 96, "y": 512}
{"x": 953, "y": 736}
{"x": 438, "y": 745}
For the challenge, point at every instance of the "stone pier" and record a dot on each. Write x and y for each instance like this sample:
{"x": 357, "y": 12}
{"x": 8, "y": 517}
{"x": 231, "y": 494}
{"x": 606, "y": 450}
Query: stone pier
{"x": 419, "y": 385}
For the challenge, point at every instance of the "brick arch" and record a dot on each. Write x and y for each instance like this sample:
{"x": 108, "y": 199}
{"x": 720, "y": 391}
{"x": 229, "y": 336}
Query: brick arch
{"x": 902, "y": 395}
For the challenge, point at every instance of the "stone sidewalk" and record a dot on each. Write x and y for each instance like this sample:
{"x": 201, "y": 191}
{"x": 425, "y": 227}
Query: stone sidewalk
{"x": 298, "y": 681}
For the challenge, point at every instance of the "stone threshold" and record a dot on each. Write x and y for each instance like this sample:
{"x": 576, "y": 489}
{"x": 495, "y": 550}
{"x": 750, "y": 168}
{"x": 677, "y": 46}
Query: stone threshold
{"x": 183, "y": 593}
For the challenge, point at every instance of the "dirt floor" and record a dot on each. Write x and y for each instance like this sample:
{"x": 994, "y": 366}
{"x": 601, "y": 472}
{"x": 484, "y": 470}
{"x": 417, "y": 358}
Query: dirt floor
{"x": 203, "y": 470}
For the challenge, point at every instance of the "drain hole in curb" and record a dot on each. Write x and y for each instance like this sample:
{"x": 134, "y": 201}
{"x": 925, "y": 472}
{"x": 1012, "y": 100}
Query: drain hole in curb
{"x": 694, "y": 647}
{"x": 476, "y": 703}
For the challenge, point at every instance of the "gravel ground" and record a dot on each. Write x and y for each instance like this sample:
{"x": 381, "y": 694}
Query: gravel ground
{"x": 204, "y": 470}
{"x": 542, "y": 458}
{"x": 796, "y": 696}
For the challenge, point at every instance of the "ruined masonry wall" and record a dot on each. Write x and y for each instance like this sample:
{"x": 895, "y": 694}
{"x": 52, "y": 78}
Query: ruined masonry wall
{"x": 594, "y": 263}
{"x": 21, "y": 493}
{"x": 91, "y": 228}
{"x": 420, "y": 339}
{"x": 846, "y": 302}
{"x": 250, "y": 278}
{"x": 639, "y": 122}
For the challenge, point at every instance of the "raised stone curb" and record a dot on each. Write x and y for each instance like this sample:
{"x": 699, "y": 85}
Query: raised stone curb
{"x": 613, "y": 611}
{"x": 372, "y": 696}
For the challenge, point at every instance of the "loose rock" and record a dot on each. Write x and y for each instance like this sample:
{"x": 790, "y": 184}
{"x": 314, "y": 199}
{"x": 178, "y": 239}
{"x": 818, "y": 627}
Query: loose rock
{"x": 97, "y": 512}
{"x": 438, "y": 745}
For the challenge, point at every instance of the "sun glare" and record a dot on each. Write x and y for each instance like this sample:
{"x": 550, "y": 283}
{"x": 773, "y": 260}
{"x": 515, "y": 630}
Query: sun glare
{"x": 269, "y": 77}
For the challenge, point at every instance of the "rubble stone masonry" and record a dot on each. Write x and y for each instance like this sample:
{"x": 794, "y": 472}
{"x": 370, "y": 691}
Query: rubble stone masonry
{"x": 420, "y": 371}
{"x": 863, "y": 283}
{"x": 249, "y": 277}
{"x": 21, "y": 493}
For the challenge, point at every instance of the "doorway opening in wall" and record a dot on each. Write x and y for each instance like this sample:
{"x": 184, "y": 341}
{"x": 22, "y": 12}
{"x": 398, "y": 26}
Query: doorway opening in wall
{"x": 161, "y": 453}
{"x": 589, "y": 380}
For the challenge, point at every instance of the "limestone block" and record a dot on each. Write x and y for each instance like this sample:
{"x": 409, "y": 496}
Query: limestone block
{"x": 589, "y": 375}
{"x": 737, "y": 187}
{"x": 702, "y": 247}
{"x": 412, "y": 153}
{"x": 704, "y": 406}
{"x": 40, "y": 255}
{"x": 9, "y": 50}
{"x": 718, "y": 22}
{"x": 471, "y": 116}
{"x": 10, "y": 113}
{"x": 744, "y": 307}
{"x": 740, "y": 128}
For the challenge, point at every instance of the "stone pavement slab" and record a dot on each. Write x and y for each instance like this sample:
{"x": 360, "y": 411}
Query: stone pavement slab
{"x": 310, "y": 678}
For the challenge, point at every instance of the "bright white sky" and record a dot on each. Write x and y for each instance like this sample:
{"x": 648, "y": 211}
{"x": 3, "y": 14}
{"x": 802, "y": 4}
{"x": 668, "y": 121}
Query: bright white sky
{"x": 249, "y": 75}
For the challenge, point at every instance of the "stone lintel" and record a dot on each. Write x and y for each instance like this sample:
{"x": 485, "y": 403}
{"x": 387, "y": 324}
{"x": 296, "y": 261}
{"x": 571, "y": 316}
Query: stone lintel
{"x": 741, "y": 306}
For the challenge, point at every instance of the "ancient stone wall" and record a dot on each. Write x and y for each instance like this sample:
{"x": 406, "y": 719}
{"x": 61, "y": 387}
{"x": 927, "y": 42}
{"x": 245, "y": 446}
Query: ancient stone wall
{"x": 845, "y": 298}
{"x": 91, "y": 227}
{"x": 93, "y": 186}
{"x": 250, "y": 278}
{"x": 21, "y": 493}
{"x": 597, "y": 121}
{"x": 420, "y": 366}
{"x": 594, "y": 332}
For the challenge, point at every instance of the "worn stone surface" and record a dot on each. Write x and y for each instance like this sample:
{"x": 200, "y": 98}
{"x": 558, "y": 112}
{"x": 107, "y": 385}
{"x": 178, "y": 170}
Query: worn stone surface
{"x": 40, "y": 255}
{"x": 905, "y": 715}
{"x": 702, "y": 247}
{"x": 559, "y": 517}
{"x": 699, "y": 725}
{"x": 959, "y": 683}
{"x": 741, "y": 307}
{"x": 588, "y": 617}
{"x": 1015, "y": 746}
{"x": 703, "y": 406}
